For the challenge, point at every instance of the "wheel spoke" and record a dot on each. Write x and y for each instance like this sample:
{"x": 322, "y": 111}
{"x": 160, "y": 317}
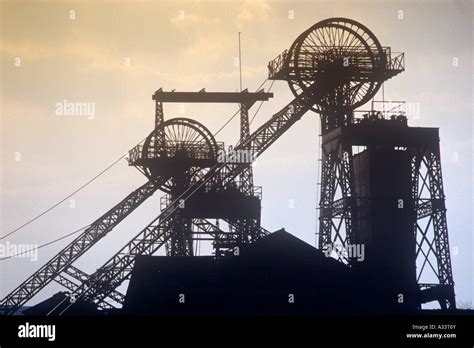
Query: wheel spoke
{"x": 323, "y": 49}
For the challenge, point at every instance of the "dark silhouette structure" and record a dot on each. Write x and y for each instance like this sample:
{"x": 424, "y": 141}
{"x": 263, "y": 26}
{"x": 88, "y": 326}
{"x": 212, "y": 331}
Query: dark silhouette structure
{"x": 178, "y": 151}
{"x": 376, "y": 198}
{"x": 277, "y": 275}
{"x": 379, "y": 198}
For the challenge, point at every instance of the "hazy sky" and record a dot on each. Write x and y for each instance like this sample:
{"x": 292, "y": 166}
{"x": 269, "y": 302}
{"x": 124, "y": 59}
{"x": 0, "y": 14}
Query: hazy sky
{"x": 190, "y": 45}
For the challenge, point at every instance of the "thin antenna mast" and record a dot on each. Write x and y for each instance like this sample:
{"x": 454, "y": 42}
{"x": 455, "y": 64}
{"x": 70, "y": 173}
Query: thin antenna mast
{"x": 240, "y": 64}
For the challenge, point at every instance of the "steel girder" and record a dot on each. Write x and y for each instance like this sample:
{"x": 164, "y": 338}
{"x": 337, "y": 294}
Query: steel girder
{"x": 428, "y": 192}
{"x": 335, "y": 221}
{"x": 96, "y": 231}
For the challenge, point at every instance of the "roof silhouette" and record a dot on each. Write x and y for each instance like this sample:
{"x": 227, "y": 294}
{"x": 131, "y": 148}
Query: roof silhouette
{"x": 277, "y": 275}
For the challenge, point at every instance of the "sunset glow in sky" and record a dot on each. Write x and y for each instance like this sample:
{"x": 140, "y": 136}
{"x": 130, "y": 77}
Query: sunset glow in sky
{"x": 116, "y": 54}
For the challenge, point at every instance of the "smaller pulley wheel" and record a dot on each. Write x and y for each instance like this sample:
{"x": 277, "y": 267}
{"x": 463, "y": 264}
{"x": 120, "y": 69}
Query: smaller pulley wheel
{"x": 178, "y": 148}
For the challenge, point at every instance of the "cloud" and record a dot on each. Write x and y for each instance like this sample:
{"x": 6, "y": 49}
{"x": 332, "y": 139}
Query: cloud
{"x": 253, "y": 11}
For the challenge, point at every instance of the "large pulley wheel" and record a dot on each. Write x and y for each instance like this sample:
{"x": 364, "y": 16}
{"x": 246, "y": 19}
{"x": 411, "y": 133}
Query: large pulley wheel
{"x": 341, "y": 60}
{"x": 179, "y": 146}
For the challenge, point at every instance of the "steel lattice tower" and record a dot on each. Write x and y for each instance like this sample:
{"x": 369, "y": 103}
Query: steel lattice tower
{"x": 181, "y": 150}
{"x": 345, "y": 59}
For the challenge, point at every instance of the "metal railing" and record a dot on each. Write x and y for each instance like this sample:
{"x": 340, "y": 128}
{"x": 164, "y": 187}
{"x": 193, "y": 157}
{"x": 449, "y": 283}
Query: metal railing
{"x": 278, "y": 64}
{"x": 281, "y": 66}
{"x": 134, "y": 154}
{"x": 395, "y": 60}
{"x": 196, "y": 150}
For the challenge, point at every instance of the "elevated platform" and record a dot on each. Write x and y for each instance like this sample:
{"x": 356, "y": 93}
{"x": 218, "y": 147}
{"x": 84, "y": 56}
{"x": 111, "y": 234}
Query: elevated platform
{"x": 395, "y": 132}
{"x": 170, "y": 160}
{"x": 282, "y": 67}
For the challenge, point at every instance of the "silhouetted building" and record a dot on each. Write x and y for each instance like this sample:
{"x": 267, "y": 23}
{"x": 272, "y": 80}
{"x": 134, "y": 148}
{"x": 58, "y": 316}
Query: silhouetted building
{"x": 277, "y": 275}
